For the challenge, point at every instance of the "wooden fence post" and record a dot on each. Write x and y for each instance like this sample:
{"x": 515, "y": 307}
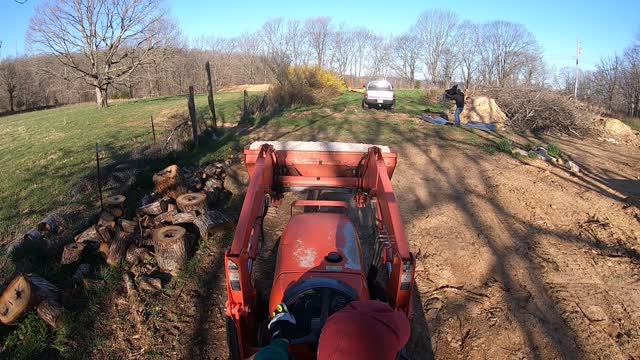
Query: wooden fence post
{"x": 153, "y": 130}
{"x": 245, "y": 108}
{"x": 212, "y": 106}
{"x": 193, "y": 116}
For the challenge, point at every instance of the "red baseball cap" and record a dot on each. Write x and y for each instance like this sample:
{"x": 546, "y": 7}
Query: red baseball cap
{"x": 364, "y": 330}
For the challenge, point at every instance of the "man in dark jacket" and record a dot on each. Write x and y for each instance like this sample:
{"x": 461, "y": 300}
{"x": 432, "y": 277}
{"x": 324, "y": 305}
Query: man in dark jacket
{"x": 458, "y": 96}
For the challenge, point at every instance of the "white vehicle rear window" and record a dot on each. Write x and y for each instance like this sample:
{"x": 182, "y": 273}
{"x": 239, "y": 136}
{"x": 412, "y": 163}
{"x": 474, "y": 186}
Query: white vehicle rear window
{"x": 379, "y": 86}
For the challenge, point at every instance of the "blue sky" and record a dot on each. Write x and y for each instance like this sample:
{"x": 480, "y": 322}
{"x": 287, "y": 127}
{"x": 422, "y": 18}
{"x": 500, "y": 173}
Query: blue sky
{"x": 604, "y": 27}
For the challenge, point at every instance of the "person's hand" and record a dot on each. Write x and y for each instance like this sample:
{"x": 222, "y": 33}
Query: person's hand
{"x": 282, "y": 323}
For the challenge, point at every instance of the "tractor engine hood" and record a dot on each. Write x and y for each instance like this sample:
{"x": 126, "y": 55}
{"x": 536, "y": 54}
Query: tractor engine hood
{"x": 319, "y": 245}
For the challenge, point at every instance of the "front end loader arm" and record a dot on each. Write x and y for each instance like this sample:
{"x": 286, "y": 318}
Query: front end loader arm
{"x": 400, "y": 262}
{"x": 240, "y": 256}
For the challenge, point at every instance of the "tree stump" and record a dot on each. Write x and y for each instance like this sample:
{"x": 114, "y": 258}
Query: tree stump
{"x": 196, "y": 202}
{"x": 211, "y": 222}
{"x": 168, "y": 182}
{"x": 24, "y": 292}
{"x": 52, "y": 224}
{"x": 170, "y": 248}
{"x": 115, "y": 205}
{"x": 71, "y": 253}
{"x": 118, "y": 248}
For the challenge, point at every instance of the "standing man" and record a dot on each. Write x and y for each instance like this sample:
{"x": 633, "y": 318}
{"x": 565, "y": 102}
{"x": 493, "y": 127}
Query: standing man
{"x": 458, "y": 96}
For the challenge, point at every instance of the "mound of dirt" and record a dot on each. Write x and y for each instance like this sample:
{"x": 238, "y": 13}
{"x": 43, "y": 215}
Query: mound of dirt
{"x": 482, "y": 109}
{"x": 615, "y": 127}
{"x": 248, "y": 87}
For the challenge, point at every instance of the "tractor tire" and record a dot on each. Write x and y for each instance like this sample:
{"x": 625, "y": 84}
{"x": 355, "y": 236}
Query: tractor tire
{"x": 232, "y": 340}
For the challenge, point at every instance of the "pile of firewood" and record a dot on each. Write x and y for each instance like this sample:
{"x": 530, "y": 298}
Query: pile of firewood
{"x": 159, "y": 236}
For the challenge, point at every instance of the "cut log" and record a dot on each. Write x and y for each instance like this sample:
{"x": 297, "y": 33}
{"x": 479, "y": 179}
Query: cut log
{"x": 184, "y": 218}
{"x": 215, "y": 183}
{"x": 115, "y": 205}
{"x": 128, "y": 226}
{"x": 168, "y": 182}
{"x": 89, "y": 235}
{"x": 71, "y": 253}
{"x": 137, "y": 255}
{"x": 149, "y": 283}
{"x": 153, "y": 209}
{"x": 192, "y": 202}
{"x": 52, "y": 224}
{"x": 170, "y": 248}
{"x": 104, "y": 249}
{"x": 50, "y": 311}
{"x": 211, "y": 222}
{"x": 146, "y": 221}
{"x": 105, "y": 232}
{"x": 24, "y": 292}
{"x": 166, "y": 217}
{"x": 118, "y": 248}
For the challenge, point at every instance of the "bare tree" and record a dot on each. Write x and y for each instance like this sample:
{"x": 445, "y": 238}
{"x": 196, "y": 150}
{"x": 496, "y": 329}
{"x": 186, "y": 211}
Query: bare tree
{"x": 343, "y": 44}
{"x": 434, "y": 29}
{"x": 9, "y": 79}
{"x": 297, "y": 43}
{"x": 103, "y": 41}
{"x": 404, "y": 62}
{"x": 507, "y": 49}
{"x": 468, "y": 39}
{"x": 607, "y": 79}
{"x": 319, "y": 32}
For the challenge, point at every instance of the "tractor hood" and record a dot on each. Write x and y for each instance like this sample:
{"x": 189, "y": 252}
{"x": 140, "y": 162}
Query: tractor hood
{"x": 319, "y": 245}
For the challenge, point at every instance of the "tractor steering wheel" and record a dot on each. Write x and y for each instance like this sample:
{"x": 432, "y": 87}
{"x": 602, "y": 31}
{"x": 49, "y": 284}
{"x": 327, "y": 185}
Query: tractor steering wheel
{"x": 312, "y": 306}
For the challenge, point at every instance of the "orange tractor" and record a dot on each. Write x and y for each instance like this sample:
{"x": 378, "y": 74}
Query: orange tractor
{"x": 320, "y": 264}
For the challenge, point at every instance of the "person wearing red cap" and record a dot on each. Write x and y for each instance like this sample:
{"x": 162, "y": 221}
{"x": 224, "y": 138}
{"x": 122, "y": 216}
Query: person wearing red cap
{"x": 364, "y": 330}
{"x": 361, "y": 330}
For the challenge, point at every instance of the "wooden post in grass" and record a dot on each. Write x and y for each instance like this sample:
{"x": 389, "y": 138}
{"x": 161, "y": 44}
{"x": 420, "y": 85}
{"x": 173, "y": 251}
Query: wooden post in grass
{"x": 193, "y": 116}
{"x": 153, "y": 130}
{"x": 98, "y": 176}
{"x": 245, "y": 107}
{"x": 212, "y": 106}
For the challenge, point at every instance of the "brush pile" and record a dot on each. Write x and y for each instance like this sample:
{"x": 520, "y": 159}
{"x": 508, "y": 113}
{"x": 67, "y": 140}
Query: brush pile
{"x": 535, "y": 109}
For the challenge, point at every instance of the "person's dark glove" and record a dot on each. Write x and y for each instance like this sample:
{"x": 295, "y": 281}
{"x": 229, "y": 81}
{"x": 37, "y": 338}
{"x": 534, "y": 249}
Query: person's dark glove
{"x": 282, "y": 323}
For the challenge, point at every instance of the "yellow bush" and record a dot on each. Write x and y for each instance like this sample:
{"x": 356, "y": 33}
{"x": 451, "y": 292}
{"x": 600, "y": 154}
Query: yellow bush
{"x": 306, "y": 85}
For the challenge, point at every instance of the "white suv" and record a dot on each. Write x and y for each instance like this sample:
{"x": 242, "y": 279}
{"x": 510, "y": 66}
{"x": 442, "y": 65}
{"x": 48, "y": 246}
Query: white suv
{"x": 380, "y": 94}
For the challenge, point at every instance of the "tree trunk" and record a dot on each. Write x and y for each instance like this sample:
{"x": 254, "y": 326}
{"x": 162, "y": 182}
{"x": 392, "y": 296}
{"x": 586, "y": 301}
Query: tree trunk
{"x": 101, "y": 96}
{"x": 11, "y": 101}
{"x": 170, "y": 247}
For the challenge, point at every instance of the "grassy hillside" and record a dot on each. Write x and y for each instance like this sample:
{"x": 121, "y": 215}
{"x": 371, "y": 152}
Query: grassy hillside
{"x": 44, "y": 154}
